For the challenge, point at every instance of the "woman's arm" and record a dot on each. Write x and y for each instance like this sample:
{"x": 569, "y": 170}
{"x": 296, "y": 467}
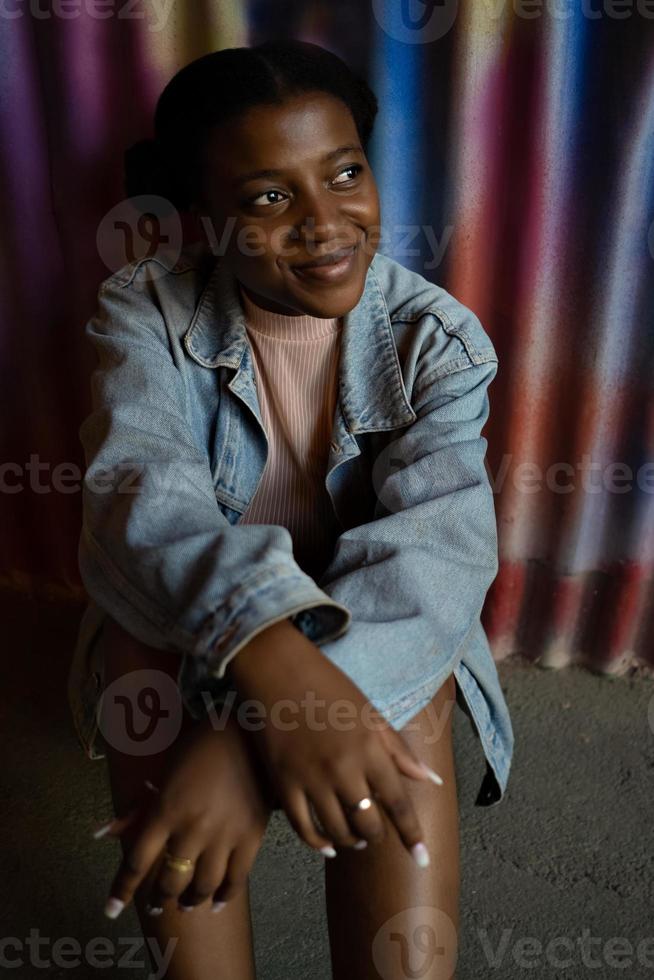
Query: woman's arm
{"x": 156, "y": 552}
{"x": 416, "y": 576}
{"x": 212, "y": 800}
{"x": 315, "y": 755}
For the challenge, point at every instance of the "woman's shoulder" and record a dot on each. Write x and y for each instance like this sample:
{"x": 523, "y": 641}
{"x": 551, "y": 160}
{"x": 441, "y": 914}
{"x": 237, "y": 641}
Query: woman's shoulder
{"x": 155, "y": 294}
{"x": 412, "y": 299}
{"x": 164, "y": 267}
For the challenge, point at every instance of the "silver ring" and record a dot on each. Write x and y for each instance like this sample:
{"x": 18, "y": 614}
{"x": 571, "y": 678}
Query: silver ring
{"x": 363, "y": 804}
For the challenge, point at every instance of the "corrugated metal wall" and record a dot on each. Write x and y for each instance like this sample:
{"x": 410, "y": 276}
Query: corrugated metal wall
{"x": 515, "y": 156}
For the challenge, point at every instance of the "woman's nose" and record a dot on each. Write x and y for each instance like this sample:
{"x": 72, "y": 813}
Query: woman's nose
{"x": 321, "y": 220}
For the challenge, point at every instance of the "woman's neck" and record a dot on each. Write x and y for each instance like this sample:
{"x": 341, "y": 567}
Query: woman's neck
{"x": 282, "y": 326}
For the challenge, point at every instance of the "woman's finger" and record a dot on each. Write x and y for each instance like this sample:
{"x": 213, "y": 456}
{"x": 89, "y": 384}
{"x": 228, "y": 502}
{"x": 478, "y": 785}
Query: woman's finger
{"x": 405, "y": 760}
{"x": 210, "y": 870}
{"x": 365, "y": 822}
{"x": 331, "y": 807}
{"x": 114, "y": 826}
{"x": 391, "y": 795}
{"x": 296, "y": 806}
{"x": 177, "y": 869}
{"x": 104, "y": 828}
{"x": 138, "y": 858}
{"x": 236, "y": 874}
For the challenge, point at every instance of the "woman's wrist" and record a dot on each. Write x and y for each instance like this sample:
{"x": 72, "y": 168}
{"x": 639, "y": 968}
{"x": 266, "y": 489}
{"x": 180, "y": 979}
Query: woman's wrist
{"x": 251, "y": 660}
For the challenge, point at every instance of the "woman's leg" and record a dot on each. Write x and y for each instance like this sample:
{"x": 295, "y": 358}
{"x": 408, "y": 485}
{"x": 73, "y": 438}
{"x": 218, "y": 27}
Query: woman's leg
{"x": 205, "y": 945}
{"x": 387, "y": 917}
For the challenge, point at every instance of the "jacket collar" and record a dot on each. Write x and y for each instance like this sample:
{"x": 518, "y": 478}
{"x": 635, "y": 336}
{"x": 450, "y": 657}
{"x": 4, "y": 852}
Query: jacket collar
{"x": 372, "y": 392}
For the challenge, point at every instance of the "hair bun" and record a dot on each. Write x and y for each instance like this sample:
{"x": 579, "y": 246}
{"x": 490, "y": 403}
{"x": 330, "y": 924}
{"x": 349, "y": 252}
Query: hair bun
{"x": 145, "y": 171}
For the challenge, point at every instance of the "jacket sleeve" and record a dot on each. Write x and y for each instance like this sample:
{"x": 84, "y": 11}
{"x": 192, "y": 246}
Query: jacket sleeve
{"x": 415, "y": 577}
{"x": 155, "y": 550}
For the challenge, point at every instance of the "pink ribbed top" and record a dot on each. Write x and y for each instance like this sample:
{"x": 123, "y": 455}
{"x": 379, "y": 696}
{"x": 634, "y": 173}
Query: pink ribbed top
{"x": 296, "y": 370}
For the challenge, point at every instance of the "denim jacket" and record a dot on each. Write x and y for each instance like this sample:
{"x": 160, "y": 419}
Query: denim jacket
{"x": 175, "y": 448}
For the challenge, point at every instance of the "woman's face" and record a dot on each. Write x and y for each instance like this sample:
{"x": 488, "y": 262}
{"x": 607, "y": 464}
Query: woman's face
{"x": 316, "y": 197}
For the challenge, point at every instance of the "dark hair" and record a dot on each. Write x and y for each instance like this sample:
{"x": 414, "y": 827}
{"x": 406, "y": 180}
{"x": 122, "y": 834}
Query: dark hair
{"x": 222, "y": 85}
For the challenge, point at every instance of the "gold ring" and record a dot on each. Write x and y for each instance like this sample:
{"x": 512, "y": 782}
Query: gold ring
{"x": 178, "y": 864}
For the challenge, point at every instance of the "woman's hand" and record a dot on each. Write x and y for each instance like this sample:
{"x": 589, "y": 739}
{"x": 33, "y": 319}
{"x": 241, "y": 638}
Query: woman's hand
{"x": 212, "y": 806}
{"x": 323, "y": 759}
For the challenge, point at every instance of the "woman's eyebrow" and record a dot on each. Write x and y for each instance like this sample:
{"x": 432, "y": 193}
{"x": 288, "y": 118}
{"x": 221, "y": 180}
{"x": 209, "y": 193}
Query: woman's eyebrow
{"x": 328, "y": 157}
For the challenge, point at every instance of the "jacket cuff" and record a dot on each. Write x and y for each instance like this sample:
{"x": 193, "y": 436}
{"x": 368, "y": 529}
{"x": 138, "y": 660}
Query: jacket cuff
{"x": 201, "y": 690}
{"x": 263, "y": 602}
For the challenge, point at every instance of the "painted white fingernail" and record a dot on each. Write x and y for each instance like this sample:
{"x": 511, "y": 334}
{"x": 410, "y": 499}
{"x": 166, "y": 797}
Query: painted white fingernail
{"x": 360, "y": 844}
{"x": 185, "y": 908}
{"x": 113, "y": 908}
{"x": 435, "y": 778}
{"x": 328, "y": 851}
{"x": 153, "y": 909}
{"x": 217, "y": 906}
{"x": 102, "y": 829}
{"x": 420, "y": 855}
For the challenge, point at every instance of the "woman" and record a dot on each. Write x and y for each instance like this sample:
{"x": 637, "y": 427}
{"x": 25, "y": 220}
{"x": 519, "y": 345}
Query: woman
{"x": 306, "y": 521}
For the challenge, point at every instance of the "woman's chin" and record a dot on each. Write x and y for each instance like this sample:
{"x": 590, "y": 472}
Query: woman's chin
{"x": 323, "y": 298}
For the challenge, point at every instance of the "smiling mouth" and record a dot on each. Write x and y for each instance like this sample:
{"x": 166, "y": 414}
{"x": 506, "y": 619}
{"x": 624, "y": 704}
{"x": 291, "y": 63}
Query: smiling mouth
{"x": 336, "y": 256}
{"x": 328, "y": 268}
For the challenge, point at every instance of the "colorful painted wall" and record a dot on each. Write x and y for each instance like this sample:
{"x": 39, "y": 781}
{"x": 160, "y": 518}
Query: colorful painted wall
{"x": 515, "y": 157}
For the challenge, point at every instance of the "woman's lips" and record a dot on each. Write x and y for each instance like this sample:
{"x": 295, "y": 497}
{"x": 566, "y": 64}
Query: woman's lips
{"x": 331, "y": 272}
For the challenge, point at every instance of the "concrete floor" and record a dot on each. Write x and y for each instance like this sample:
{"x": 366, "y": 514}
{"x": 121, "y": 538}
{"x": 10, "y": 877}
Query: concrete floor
{"x": 567, "y": 855}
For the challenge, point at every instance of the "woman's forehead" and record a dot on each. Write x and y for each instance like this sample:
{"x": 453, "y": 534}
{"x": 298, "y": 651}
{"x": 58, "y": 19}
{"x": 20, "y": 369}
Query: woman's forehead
{"x": 303, "y": 129}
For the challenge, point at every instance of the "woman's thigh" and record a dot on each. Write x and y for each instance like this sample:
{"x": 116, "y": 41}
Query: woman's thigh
{"x": 387, "y": 916}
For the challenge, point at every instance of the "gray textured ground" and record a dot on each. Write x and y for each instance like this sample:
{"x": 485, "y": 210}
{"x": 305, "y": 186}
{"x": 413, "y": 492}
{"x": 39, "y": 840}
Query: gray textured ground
{"x": 568, "y": 853}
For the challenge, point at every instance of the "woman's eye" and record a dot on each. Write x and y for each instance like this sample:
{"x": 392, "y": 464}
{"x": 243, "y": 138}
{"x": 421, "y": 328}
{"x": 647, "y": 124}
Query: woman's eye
{"x": 256, "y": 200}
{"x": 265, "y": 198}
{"x": 355, "y": 168}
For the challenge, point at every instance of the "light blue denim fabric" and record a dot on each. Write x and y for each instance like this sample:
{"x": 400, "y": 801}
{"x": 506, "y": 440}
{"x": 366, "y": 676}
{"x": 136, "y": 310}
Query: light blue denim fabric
{"x": 175, "y": 448}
